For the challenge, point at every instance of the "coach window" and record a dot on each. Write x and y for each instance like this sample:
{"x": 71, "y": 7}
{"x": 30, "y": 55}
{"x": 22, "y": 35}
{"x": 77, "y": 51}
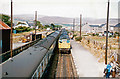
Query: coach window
{"x": 42, "y": 67}
{"x": 39, "y": 72}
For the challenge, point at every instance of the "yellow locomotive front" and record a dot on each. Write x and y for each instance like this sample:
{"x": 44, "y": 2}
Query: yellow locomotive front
{"x": 64, "y": 43}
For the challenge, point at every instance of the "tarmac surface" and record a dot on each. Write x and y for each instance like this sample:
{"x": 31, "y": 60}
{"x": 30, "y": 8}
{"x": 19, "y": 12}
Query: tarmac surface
{"x": 86, "y": 64}
{"x": 19, "y": 44}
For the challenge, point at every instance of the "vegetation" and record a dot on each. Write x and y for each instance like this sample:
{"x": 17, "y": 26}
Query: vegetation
{"x": 110, "y": 36}
{"x": 6, "y": 19}
{"x": 97, "y": 34}
{"x": 117, "y": 33}
{"x": 58, "y": 26}
{"x": 85, "y": 35}
{"x": 52, "y": 26}
{"x": 78, "y": 38}
{"x": 39, "y": 24}
{"x": 47, "y": 26}
{"x": 20, "y": 23}
{"x": 23, "y": 29}
{"x": 67, "y": 31}
{"x": 74, "y": 35}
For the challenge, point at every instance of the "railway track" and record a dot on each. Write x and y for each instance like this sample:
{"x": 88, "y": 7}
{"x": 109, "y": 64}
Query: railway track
{"x": 65, "y": 67}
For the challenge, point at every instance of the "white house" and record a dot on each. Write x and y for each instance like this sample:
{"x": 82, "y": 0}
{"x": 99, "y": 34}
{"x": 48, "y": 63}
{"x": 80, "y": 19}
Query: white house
{"x": 115, "y": 28}
{"x": 86, "y": 28}
{"x": 97, "y": 28}
{"x": 21, "y": 23}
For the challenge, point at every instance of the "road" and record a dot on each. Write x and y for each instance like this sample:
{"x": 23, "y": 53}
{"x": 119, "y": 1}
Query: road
{"x": 18, "y": 44}
{"x": 86, "y": 64}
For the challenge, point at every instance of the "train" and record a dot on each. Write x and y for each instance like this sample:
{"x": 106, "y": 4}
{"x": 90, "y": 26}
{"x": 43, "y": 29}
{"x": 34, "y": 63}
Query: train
{"x": 32, "y": 62}
{"x": 64, "y": 42}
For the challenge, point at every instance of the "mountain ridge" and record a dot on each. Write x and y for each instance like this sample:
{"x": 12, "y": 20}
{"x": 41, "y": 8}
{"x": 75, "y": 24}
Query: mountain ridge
{"x": 61, "y": 20}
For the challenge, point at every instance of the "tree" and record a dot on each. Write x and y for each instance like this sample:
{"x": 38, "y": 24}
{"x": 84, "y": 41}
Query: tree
{"x": 22, "y": 29}
{"x": 47, "y": 26}
{"x": 39, "y": 24}
{"x": 6, "y": 19}
{"x": 20, "y": 23}
{"x": 53, "y": 26}
{"x": 58, "y": 26}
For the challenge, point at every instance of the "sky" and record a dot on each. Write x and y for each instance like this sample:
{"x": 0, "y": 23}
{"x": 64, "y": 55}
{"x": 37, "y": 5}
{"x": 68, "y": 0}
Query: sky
{"x": 62, "y": 8}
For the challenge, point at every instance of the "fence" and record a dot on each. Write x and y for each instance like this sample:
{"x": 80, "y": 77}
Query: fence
{"x": 98, "y": 49}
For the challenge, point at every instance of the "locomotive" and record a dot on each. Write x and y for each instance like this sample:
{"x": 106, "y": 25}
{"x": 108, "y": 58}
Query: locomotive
{"x": 64, "y": 42}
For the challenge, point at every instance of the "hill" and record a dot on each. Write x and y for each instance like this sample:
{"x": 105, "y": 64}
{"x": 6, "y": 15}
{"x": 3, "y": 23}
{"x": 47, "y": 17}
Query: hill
{"x": 60, "y": 20}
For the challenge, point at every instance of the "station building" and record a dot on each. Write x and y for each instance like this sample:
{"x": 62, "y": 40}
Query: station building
{"x": 4, "y": 37}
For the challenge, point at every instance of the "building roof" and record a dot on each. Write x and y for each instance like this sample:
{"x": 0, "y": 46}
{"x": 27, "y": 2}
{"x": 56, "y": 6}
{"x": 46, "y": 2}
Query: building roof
{"x": 97, "y": 25}
{"x": 102, "y": 25}
{"x": 117, "y": 25}
{"x": 94, "y": 25}
{"x": 3, "y": 25}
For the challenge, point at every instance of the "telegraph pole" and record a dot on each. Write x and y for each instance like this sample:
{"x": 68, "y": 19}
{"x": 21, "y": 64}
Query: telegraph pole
{"x": 11, "y": 38}
{"x": 107, "y": 32}
{"x": 80, "y": 26}
{"x": 73, "y": 26}
{"x": 35, "y": 23}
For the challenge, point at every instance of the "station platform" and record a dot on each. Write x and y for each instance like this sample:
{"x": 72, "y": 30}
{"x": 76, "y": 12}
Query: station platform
{"x": 86, "y": 64}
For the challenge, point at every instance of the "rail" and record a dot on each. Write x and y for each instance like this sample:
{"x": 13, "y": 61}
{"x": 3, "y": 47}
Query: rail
{"x": 66, "y": 67}
{"x": 5, "y": 56}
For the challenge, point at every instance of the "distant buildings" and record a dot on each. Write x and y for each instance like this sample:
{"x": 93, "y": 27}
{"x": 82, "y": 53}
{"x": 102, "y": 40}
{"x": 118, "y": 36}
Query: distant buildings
{"x": 25, "y": 24}
{"x": 116, "y": 28}
{"x": 100, "y": 28}
{"x": 22, "y": 23}
{"x": 5, "y": 37}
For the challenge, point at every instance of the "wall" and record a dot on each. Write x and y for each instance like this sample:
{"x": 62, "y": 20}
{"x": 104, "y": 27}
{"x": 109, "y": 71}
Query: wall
{"x": 5, "y": 40}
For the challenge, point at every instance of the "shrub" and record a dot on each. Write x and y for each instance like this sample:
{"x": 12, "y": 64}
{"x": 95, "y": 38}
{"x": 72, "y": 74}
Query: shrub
{"x": 110, "y": 36}
{"x": 97, "y": 34}
{"x": 93, "y": 34}
{"x": 78, "y": 38}
{"x": 85, "y": 35}
{"x": 114, "y": 35}
{"x": 23, "y": 29}
{"x": 74, "y": 35}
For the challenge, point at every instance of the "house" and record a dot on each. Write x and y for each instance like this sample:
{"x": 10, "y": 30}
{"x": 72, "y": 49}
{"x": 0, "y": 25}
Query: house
{"x": 116, "y": 28}
{"x": 32, "y": 25}
{"x": 5, "y": 34}
{"x": 86, "y": 28}
{"x": 100, "y": 28}
{"x": 93, "y": 28}
{"x": 21, "y": 23}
